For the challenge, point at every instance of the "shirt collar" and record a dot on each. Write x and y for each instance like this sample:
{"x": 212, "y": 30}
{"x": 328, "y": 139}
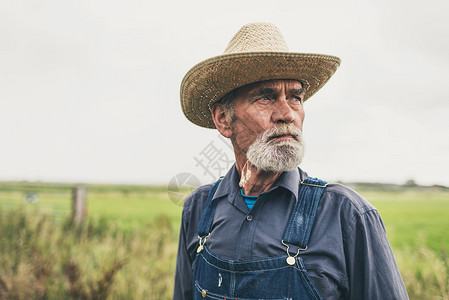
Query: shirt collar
{"x": 230, "y": 184}
{"x": 289, "y": 180}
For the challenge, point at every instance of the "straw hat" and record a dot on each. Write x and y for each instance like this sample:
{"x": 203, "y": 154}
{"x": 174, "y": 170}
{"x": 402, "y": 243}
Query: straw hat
{"x": 257, "y": 52}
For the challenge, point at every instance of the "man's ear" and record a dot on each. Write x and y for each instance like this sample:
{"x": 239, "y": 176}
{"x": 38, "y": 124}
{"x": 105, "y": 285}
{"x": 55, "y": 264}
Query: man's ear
{"x": 221, "y": 120}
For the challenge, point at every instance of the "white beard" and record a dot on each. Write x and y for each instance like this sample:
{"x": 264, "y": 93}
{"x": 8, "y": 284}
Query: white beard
{"x": 271, "y": 155}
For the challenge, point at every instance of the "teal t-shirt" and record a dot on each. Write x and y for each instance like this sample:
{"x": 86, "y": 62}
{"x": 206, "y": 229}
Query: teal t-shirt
{"x": 249, "y": 200}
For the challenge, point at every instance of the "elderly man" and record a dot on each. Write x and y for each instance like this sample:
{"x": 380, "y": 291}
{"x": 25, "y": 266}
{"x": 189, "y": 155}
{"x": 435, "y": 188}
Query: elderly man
{"x": 267, "y": 230}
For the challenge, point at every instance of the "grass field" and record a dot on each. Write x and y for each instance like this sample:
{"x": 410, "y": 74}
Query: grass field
{"x": 414, "y": 218}
{"x": 126, "y": 248}
{"x": 134, "y": 208}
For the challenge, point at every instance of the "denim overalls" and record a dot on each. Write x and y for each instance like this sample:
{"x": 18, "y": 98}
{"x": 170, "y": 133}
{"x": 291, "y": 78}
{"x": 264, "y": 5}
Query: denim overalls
{"x": 282, "y": 277}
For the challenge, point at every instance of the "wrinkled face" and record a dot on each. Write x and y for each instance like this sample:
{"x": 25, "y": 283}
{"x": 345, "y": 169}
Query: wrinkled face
{"x": 264, "y": 105}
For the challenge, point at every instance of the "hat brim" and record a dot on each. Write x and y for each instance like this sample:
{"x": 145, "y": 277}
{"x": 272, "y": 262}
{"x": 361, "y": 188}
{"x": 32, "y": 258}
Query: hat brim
{"x": 212, "y": 79}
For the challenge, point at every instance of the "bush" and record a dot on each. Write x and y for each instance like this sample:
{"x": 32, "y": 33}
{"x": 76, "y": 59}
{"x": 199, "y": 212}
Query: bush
{"x": 92, "y": 260}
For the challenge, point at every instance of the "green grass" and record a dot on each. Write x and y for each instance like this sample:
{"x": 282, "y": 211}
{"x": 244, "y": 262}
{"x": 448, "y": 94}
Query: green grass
{"x": 414, "y": 219}
{"x": 134, "y": 208}
{"x": 93, "y": 260}
{"x": 131, "y": 206}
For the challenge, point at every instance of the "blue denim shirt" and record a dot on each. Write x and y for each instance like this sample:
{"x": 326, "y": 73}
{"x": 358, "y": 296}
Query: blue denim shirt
{"x": 348, "y": 255}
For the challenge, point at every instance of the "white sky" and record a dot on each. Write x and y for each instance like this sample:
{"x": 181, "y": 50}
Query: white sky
{"x": 89, "y": 90}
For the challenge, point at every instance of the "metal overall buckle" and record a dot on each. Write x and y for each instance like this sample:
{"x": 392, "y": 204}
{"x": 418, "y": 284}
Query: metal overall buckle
{"x": 316, "y": 185}
{"x": 202, "y": 242}
{"x": 292, "y": 259}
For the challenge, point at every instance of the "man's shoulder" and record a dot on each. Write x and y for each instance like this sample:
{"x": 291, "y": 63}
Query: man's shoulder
{"x": 342, "y": 195}
{"x": 198, "y": 197}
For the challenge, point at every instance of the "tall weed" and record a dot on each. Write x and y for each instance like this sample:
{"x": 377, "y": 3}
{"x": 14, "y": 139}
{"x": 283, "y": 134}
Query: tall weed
{"x": 91, "y": 260}
{"x": 425, "y": 273}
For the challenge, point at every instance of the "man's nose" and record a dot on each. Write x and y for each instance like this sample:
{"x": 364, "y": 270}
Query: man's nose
{"x": 282, "y": 112}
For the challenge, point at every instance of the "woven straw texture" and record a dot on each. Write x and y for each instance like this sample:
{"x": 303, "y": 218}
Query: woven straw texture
{"x": 257, "y": 52}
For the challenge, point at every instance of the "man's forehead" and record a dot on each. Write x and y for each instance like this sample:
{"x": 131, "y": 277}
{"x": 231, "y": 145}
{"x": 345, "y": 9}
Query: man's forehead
{"x": 271, "y": 84}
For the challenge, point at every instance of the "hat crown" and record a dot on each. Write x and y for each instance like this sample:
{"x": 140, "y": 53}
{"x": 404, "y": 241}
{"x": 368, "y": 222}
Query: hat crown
{"x": 257, "y": 37}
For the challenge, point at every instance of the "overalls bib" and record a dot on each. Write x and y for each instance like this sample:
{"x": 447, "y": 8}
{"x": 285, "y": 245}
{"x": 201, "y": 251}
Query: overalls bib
{"x": 283, "y": 277}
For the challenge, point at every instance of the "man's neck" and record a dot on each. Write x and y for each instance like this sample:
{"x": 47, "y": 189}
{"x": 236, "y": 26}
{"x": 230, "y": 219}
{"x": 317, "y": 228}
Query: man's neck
{"x": 254, "y": 182}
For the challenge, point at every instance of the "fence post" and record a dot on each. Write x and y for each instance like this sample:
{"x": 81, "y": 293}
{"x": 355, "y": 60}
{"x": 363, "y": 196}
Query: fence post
{"x": 79, "y": 203}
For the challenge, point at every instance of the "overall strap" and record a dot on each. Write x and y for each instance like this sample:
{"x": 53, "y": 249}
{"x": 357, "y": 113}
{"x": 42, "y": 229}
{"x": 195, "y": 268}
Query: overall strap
{"x": 207, "y": 216}
{"x": 303, "y": 215}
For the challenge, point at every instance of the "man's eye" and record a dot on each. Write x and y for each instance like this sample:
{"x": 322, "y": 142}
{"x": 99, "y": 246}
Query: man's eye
{"x": 298, "y": 98}
{"x": 263, "y": 98}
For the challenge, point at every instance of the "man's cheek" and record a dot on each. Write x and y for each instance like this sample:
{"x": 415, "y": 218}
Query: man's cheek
{"x": 245, "y": 140}
{"x": 263, "y": 115}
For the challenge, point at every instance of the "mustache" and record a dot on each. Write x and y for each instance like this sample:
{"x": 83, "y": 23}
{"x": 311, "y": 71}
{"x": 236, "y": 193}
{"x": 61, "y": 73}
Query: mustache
{"x": 282, "y": 130}
{"x": 270, "y": 154}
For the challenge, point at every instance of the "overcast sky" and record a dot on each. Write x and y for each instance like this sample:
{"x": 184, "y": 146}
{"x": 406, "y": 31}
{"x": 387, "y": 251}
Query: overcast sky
{"x": 89, "y": 90}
